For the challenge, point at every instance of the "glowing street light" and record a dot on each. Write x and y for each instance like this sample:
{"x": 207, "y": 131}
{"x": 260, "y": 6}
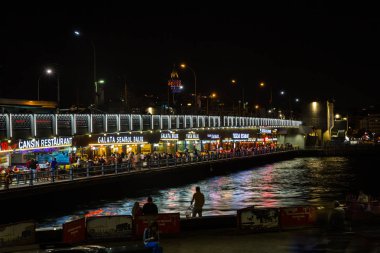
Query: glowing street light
{"x": 184, "y": 66}
{"x": 262, "y": 85}
{"x": 48, "y": 72}
{"x": 78, "y": 34}
{"x": 234, "y": 82}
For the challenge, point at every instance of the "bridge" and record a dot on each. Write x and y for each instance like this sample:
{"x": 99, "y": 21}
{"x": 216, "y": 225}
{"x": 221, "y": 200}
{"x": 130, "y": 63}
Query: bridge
{"x": 19, "y": 126}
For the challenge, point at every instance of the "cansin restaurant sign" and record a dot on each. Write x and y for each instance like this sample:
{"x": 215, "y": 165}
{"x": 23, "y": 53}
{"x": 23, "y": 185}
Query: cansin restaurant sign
{"x": 45, "y": 143}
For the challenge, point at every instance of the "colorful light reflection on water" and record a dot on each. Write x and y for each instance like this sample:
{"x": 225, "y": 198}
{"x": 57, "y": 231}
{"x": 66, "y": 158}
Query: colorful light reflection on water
{"x": 300, "y": 181}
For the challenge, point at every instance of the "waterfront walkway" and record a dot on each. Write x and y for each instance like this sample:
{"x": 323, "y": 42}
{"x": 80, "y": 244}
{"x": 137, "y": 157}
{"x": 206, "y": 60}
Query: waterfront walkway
{"x": 231, "y": 240}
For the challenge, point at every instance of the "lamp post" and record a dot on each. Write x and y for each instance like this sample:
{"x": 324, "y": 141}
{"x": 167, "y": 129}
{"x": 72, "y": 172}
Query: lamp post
{"x": 47, "y": 71}
{"x": 262, "y": 85}
{"x": 79, "y": 34}
{"x": 212, "y": 95}
{"x": 283, "y": 93}
{"x": 234, "y": 82}
{"x": 184, "y": 66}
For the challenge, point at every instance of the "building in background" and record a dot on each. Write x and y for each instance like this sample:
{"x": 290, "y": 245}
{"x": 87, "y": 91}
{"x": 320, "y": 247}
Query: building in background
{"x": 319, "y": 117}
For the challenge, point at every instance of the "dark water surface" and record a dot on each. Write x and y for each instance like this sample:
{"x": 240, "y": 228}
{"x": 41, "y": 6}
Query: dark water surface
{"x": 300, "y": 181}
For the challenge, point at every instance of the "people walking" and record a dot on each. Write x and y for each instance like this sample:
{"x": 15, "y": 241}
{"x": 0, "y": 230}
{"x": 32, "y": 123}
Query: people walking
{"x": 199, "y": 201}
{"x": 149, "y": 207}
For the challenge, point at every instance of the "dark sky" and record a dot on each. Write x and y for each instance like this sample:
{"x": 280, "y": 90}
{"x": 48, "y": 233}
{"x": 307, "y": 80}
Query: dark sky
{"x": 310, "y": 51}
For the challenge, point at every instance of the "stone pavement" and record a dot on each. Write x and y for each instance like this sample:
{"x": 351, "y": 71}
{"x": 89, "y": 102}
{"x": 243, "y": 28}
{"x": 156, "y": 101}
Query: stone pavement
{"x": 233, "y": 241}
{"x": 310, "y": 240}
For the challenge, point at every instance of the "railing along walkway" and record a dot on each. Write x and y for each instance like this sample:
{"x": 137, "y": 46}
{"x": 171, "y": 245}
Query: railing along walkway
{"x": 32, "y": 177}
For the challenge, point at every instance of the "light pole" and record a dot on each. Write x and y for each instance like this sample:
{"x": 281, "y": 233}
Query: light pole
{"x": 212, "y": 95}
{"x": 262, "y": 85}
{"x": 47, "y": 71}
{"x": 79, "y": 34}
{"x": 184, "y": 66}
{"x": 234, "y": 82}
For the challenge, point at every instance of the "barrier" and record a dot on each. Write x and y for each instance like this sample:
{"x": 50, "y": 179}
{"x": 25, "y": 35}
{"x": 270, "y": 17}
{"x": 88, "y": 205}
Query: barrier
{"x": 109, "y": 227}
{"x": 74, "y": 231}
{"x": 15, "y": 234}
{"x": 258, "y": 219}
{"x": 168, "y": 223}
{"x": 298, "y": 217}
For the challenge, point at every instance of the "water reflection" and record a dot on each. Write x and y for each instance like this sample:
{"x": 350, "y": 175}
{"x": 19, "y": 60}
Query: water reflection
{"x": 301, "y": 181}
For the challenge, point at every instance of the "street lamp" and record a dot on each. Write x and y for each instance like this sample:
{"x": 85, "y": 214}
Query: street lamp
{"x": 184, "y": 66}
{"x": 212, "y": 95}
{"x": 262, "y": 85}
{"x": 289, "y": 102}
{"x": 49, "y": 72}
{"x": 234, "y": 82}
{"x": 78, "y": 34}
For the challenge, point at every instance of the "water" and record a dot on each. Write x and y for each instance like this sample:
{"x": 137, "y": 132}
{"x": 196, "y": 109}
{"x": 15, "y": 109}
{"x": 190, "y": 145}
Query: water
{"x": 300, "y": 181}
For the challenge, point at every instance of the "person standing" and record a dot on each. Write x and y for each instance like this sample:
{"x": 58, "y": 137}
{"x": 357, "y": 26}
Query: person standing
{"x": 151, "y": 237}
{"x": 136, "y": 210}
{"x": 199, "y": 201}
{"x": 7, "y": 179}
{"x": 33, "y": 169}
{"x": 53, "y": 169}
{"x": 150, "y": 208}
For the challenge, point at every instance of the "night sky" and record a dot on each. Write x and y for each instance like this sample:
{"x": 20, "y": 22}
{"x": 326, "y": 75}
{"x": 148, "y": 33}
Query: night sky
{"x": 312, "y": 52}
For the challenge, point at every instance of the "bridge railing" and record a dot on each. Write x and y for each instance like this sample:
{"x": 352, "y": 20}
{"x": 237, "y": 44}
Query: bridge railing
{"x": 44, "y": 125}
{"x": 48, "y": 176}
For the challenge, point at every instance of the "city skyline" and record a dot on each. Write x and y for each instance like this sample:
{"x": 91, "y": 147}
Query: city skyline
{"x": 310, "y": 52}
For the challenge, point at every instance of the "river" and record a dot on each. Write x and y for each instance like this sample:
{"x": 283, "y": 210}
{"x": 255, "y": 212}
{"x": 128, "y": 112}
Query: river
{"x": 300, "y": 181}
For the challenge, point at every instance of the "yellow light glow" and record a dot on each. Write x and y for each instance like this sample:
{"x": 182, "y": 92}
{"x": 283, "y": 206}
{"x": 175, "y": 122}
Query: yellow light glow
{"x": 233, "y": 81}
{"x": 183, "y": 65}
{"x": 256, "y": 106}
{"x": 262, "y": 84}
{"x": 213, "y": 95}
{"x": 337, "y": 116}
{"x": 314, "y": 106}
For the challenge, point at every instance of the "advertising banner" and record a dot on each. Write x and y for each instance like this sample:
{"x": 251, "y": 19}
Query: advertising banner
{"x": 258, "y": 219}
{"x": 109, "y": 227}
{"x": 74, "y": 231}
{"x": 15, "y": 234}
{"x": 298, "y": 217}
{"x": 168, "y": 223}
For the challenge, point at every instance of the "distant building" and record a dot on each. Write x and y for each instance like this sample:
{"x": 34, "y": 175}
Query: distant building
{"x": 371, "y": 123}
{"x": 319, "y": 116}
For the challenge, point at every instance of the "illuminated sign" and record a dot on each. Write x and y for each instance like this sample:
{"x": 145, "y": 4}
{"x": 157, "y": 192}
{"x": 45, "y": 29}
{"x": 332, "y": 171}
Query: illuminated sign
{"x": 4, "y": 146}
{"x": 115, "y": 139}
{"x": 192, "y": 136}
{"x": 240, "y": 135}
{"x": 45, "y": 143}
{"x": 265, "y": 131}
{"x": 213, "y": 136}
{"x": 169, "y": 136}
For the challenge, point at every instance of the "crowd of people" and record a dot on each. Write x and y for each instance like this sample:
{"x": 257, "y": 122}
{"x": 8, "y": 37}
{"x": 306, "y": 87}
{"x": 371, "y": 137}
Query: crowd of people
{"x": 35, "y": 170}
